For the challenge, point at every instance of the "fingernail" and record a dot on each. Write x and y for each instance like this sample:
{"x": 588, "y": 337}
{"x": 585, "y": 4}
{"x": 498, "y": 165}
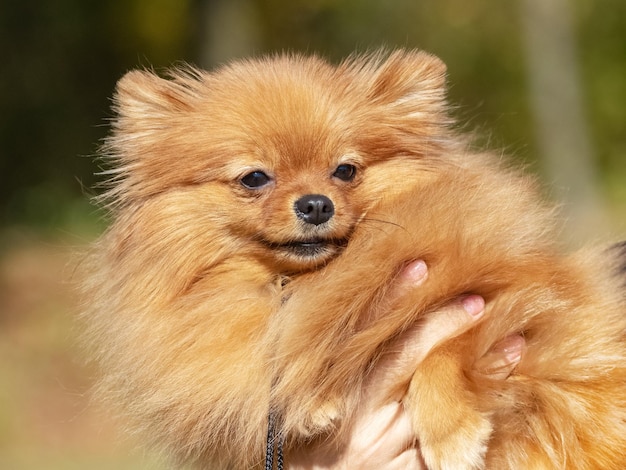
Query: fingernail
{"x": 512, "y": 347}
{"x": 415, "y": 272}
{"x": 474, "y": 305}
{"x": 513, "y": 356}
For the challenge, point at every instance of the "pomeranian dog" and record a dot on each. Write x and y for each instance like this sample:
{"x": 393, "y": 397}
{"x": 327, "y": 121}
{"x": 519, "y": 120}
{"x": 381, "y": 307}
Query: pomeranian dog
{"x": 259, "y": 214}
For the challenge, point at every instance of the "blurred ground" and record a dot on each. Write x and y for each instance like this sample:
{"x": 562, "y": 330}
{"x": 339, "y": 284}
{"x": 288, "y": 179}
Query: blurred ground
{"x": 46, "y": 420}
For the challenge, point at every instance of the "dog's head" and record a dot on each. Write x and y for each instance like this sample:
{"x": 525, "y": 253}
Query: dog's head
{"x": 288, "y": 153}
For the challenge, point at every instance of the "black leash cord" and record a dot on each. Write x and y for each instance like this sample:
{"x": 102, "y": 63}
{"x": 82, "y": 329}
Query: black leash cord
{"x": 274, "y": 444}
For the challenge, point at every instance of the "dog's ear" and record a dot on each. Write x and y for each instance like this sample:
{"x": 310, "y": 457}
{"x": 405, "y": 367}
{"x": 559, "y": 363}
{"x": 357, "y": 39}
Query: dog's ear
{"x": 410, "y": 83}
{"x": 152, "y": 115}
{"x": 142, "y": 97}
{"x": 405, "y": 93}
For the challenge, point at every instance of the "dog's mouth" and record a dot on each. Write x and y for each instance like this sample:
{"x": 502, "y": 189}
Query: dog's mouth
{"x": 311, "y": 248}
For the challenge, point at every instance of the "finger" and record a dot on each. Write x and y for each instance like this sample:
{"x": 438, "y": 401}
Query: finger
{"x": 382, "y": 438}
{"x": 501, "y": 359}
{"x": 405, "y": 353}
{"x": 412, "y": 275}
{"x": 444, "y": 324}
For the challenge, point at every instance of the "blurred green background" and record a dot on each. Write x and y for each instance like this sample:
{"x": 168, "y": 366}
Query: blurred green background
{"x": 541, "y": 80}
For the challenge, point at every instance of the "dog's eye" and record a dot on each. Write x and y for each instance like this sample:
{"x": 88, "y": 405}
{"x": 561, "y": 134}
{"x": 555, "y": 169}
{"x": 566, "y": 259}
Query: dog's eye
{"x": 345, "y": 172}
{"x": 255, "y": 180}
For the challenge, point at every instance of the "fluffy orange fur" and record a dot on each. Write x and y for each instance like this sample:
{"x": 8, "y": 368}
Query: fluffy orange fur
{"x": 211, "y": 302}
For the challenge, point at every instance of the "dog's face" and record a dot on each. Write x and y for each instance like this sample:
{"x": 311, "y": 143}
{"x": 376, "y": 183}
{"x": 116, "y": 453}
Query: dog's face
{"x": 302, "y": 214}
{"x": 290, "y": 153}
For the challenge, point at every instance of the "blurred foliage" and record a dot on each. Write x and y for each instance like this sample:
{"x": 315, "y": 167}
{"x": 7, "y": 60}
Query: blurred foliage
{"x": 62, "y": 59}
{"x": 602, "y": 44}
{"x": 60, "y": 63}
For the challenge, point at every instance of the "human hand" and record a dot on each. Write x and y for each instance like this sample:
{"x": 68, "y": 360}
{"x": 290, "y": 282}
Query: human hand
{"x": 382, "y": 437}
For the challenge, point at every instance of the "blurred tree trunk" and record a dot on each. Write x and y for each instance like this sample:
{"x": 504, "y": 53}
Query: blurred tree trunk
{"x": 561, "y": 127}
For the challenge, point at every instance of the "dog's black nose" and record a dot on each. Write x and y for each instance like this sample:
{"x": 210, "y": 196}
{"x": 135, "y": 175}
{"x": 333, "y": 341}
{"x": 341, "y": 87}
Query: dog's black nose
{"x": 314, "y": 209}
